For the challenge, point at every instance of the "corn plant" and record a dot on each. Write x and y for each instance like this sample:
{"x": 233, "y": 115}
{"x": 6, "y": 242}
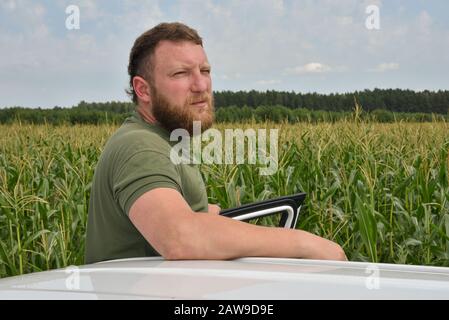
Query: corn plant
{"x": 379, "y": 190}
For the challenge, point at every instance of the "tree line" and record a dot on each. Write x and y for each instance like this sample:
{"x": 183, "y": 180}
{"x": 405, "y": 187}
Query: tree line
{"x": 395, "y": 100}
{"x": 383, "y": 105}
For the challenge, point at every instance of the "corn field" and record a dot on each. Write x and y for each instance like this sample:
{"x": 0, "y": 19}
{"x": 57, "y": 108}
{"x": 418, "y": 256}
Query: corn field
{"x": 379, "y": 190}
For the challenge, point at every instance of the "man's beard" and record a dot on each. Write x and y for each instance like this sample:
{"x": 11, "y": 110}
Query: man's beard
{"x": 173, "y": 117}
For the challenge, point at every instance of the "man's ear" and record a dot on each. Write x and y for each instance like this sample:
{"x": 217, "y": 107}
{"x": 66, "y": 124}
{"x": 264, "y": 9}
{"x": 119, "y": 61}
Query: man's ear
{"x": 142, "y": 89}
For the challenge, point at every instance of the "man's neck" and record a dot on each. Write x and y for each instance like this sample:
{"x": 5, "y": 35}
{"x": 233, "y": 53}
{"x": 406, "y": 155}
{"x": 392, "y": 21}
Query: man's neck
{"x": 146, "y": 115}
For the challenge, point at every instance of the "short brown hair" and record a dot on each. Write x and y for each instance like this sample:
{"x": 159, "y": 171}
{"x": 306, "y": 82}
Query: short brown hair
{"x": 145, "y": 45}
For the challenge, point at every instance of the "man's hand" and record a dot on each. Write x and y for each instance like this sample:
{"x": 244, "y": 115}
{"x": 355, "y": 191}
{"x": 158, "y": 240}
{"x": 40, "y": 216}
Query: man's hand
{"x": 315, "y": 247}
{"x": 213, "y": 208}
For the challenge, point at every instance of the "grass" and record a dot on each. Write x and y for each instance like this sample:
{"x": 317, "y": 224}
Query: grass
{"x": 379, "y": 190}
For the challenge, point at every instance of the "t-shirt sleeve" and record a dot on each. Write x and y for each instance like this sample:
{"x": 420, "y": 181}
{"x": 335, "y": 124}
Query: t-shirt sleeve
{"x": 140, "y": 173}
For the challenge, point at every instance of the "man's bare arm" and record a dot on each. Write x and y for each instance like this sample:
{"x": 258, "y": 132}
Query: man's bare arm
{"x": 166, "y": 221}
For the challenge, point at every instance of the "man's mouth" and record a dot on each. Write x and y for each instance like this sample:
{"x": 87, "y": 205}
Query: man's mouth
{"x": 200, "y": 103}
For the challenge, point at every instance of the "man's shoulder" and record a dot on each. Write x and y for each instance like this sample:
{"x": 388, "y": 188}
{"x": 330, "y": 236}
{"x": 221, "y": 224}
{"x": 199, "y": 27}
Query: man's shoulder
{"x": 133, "y": 137}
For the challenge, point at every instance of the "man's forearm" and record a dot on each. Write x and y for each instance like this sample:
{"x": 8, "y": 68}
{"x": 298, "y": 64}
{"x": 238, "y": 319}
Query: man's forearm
{"x": 207, "y": 236}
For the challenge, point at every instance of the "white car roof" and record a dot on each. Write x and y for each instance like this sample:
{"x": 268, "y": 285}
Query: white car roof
{"x": 246, "y": 278}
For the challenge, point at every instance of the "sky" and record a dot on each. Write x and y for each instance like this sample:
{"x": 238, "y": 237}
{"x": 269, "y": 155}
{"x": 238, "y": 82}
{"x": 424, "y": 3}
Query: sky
{"x": 50, "y": 58}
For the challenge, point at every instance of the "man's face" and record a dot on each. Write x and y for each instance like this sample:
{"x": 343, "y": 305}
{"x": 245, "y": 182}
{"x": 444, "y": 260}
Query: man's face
{"x": 181, "y": 88}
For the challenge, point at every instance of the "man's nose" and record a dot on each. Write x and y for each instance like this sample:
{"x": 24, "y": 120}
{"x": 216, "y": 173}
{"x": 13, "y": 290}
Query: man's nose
{"x": 200, "y": 82}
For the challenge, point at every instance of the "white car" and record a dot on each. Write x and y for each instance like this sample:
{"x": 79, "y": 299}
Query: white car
{"x": 241, "y": 279}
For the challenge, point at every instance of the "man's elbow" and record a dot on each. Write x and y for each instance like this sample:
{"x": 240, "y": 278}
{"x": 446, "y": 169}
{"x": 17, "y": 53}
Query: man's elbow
{"x": 178, "y": 251}
{"x": 183, "y": 245}
{"x": 174, "y": 254}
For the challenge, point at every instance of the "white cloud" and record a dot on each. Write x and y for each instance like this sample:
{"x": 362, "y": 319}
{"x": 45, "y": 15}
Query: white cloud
{"x": 278, "y": 6}
{"x": 312, "y": 67}
{"x": 386, "y": 66}
{"x": 8, "y": 5}
{"x": 267, "y": 82}
{"x": 225, "y": 76}
{"x": 345, "y": 20}
{"x": 89, "y": 10}
{"x": 425, "y": 20}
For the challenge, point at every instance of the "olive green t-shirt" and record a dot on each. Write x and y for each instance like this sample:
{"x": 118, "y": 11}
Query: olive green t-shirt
{"x": 135, "y": 160}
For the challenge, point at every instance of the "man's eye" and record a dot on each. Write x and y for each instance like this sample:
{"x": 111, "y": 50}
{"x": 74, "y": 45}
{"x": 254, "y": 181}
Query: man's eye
{"x": 206, "y": 71}
{"x": 179, "y": 73}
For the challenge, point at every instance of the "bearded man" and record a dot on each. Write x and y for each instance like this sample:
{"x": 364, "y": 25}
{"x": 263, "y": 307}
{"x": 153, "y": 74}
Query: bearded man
{"x": 142, "y": 204}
